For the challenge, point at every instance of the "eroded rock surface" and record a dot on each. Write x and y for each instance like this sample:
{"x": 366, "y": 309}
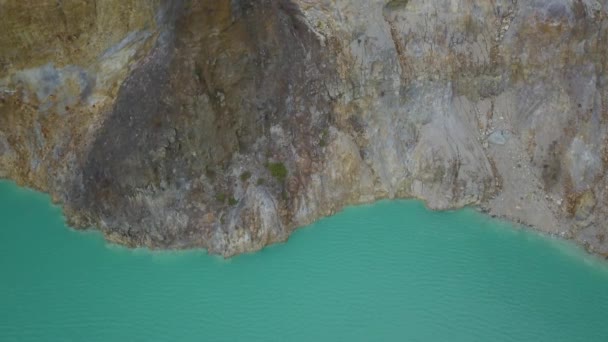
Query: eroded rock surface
{"x": 226, "y": 124}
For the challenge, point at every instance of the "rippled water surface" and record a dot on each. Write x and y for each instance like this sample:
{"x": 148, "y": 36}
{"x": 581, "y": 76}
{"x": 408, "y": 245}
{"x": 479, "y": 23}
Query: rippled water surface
{"x": 391, "y": 271}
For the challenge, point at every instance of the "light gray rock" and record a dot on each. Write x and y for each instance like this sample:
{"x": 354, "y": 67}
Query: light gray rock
{"x": 499, "y": 137}
{"x": 501, "y": 104}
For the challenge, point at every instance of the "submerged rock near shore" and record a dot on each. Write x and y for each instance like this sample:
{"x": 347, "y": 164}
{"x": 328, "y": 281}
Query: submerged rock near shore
{"x": 227, "y": 124}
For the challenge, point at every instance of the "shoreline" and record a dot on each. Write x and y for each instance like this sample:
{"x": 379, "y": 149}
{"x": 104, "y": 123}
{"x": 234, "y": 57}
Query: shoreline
{"x": 515, "y": 224}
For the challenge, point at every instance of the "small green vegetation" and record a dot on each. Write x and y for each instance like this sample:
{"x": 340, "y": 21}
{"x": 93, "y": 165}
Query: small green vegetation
{"x": 221, "y": 197}
{"x": 261, "y": 181}
{"x": 245, "y": 176}
{"x": 396, "y": 4}
{"x": 278, "y": 171}
{"x": 324, "y": 136}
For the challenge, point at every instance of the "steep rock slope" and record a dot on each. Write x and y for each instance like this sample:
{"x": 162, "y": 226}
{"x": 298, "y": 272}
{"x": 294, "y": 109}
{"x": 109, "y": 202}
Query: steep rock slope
{"x": 227, "y": 124}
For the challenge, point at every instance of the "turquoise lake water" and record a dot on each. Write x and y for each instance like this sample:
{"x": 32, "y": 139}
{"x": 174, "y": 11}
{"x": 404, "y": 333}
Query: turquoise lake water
{"x": 391, "y": 271}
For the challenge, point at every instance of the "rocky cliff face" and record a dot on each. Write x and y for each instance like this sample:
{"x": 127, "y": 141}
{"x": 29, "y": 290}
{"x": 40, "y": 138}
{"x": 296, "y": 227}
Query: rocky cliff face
{"x": 226, "y": 124}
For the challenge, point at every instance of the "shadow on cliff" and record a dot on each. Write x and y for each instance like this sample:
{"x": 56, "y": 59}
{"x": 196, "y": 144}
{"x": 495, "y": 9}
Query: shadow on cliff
{"x": 221, "y": 75}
